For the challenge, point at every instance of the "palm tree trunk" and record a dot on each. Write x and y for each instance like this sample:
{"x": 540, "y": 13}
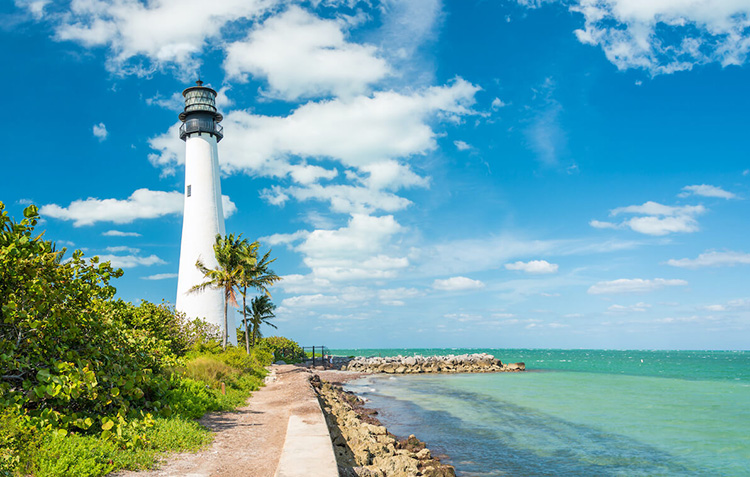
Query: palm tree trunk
{"x": 226, "y": 321}
{"x": 244, "y": 322}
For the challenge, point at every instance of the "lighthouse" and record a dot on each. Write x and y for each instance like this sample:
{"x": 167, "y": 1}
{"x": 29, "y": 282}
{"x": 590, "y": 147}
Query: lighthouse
{"x": 203, "y": 216}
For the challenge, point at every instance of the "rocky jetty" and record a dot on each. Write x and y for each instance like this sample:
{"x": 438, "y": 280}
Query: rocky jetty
{"x": 464, "y": 363}
{"x": 364, "y": 448}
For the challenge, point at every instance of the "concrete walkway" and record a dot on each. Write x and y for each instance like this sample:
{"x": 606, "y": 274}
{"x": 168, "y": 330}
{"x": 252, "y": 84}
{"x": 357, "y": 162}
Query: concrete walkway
{"x": 281, "y": 432}
{"x": 307, "y": 449}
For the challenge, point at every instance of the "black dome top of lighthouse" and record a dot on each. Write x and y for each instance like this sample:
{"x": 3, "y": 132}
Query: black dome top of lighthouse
{"x": 200, "y": 115}
{"x": 200, "y": 99}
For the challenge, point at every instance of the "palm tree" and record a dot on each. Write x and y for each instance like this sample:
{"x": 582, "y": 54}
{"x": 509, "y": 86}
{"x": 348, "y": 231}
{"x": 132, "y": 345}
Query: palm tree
{"x": 256, "y": 274}
{"x": 260, "y": 311}
{"x": 227, "y": 275}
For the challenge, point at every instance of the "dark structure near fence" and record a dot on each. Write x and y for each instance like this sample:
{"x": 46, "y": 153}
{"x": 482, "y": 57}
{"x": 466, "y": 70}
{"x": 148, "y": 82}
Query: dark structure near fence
{"x": 320, "y": 355}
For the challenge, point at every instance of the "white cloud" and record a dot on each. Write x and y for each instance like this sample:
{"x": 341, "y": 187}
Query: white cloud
{"x": 285, "y": 239}
{"x": 342, "y": 198}
{"x": 160, "y": 276}
{"x": 545, "y": 134}
{"x": 533, "y": 266}
{"x": 655, "y": 218}
{"x": 457, "y": 283}
{"x": 461, "y": 146}
{"x": 634, "y": 285}
{"x": 357, "y": 251}
{"x": 118, "y": 233}
{"x": 304, "y": 301}
{"x": 122, "y": 248}
{"x": 167, "y": 32}
{"x": 664, "y": 225}
{"x": 654, "y": 208}
{"x": 712, "y": 259}
{"x": 598, "y": 224}
{"x": 227, "y": 206}
{"x": 639, "y": 307}
{"x": 303, "y": 284}
{"x": 131, "y": 261}
{"x": 100, "y": 131}
{"x": 665, "y": 36}
{"x": 705, "y": 190}
{"x": 302, "y": 55}
{"x": 497, "y": 103}
{"x": 358, "y": 132}
{"x": 142, "y": 204}
{"x": 396, "y": 296}
{"x": 715, "y": 308}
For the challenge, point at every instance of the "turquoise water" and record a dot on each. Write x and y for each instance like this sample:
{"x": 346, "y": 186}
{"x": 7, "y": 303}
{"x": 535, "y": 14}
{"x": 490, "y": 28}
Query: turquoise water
{"x": 577, "y": 412}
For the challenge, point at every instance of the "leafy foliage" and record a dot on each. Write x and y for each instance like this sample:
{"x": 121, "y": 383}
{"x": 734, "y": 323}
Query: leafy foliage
{"x": 283, "y": 348}
{"x": 260, "y": 312}
{"x": 226, "y": 275}
{"x": 89, "y": 383}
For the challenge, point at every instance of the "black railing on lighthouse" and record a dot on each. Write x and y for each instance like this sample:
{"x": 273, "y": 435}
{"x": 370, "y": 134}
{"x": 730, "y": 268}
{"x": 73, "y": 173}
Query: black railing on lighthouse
{"x": 209, "y": 126}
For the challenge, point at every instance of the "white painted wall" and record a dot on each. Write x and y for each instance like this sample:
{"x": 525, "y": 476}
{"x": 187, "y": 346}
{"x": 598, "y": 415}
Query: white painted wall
{"x": 203, "y": 218}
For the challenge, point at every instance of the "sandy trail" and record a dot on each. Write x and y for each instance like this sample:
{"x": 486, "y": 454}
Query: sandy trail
{"x": 248, "y": 441}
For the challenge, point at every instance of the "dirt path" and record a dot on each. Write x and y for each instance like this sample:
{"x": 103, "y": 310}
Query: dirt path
{"x": 248, "y": 442}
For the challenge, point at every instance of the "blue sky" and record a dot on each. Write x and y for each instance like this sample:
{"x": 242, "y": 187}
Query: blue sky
{"x": 528, "y": 173}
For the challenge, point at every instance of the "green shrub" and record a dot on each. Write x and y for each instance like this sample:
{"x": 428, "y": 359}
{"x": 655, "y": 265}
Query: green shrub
{"x": 283, "y": 348}
{"x": 91, "y": 384}
{"x": 211, "y": 370}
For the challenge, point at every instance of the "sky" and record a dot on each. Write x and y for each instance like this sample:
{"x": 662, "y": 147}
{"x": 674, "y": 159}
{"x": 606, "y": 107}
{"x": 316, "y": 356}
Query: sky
{"x": 494, "y": 173}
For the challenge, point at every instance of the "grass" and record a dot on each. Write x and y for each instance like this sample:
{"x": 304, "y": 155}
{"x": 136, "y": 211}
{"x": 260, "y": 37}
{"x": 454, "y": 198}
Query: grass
{"x": 195, "y": 390}
{"x": 88, "y": 456}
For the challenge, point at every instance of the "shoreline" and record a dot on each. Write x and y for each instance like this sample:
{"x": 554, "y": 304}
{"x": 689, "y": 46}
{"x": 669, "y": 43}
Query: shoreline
{"x": 362, "y": 445}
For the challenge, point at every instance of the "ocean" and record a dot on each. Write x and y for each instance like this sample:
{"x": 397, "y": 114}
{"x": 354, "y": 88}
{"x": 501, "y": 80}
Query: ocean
{"x": 576, "y": 412}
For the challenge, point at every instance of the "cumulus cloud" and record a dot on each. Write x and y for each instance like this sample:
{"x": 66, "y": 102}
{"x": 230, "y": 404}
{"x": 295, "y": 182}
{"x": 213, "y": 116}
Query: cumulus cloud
{"x": 131, "y": 261}
{"x": 306, "y": 301}
{"x": 712, "y": 259}
{"x": 498, "y": 103}
{"x": 665, "y": 36}
{"x": 634, "y": 285}
{"x": 227, "y": 206}
{"x": 706, "y": 190}
{"x": 160, "y": 276}
{"x": 461, "y": 145}
{"x": 655, "y": 218}
{"x": 457, "y": 283}
{"x": 100, "y": 131}
{"x": 302, "y": 55}
{"x": 357, "y": 132}
{"x": 142, "y": 204}
{"x": 396, "y": 296}
{"x": 533, "y": 266}
{"x": 639, "y": 307}
{"x": 167, "y": 32}
{"x": 360, "y": 250}
{"x": 118, "y": 233}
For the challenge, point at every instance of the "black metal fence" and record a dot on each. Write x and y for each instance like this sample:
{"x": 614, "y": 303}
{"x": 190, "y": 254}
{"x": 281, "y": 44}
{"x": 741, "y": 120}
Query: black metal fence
{"x": 320, "y": 355}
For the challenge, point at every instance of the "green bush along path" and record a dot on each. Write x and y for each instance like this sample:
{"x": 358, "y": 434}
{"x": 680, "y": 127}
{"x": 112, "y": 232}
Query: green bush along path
{"x": 89, "y": 383}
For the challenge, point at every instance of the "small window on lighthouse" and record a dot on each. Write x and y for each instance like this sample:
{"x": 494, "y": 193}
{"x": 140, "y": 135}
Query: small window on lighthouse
{"x": 189, "y": 190}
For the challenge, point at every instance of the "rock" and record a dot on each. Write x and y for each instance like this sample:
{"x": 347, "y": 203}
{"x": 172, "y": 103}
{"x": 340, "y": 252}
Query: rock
{"x": 424, "y": 454}
{"x": 465, "y": 363}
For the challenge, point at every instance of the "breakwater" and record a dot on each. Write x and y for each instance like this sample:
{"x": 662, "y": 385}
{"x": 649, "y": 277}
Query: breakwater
{"x": 464, "y": 363}
{"x": 364, "y": 448}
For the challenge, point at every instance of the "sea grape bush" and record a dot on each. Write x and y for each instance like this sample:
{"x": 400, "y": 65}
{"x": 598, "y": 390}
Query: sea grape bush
{"x": 283, "y": 348}
{"x": 74, "y": 359}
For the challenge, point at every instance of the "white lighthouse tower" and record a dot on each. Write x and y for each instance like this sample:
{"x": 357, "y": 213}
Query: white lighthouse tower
{"x": 203, "y": 217}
